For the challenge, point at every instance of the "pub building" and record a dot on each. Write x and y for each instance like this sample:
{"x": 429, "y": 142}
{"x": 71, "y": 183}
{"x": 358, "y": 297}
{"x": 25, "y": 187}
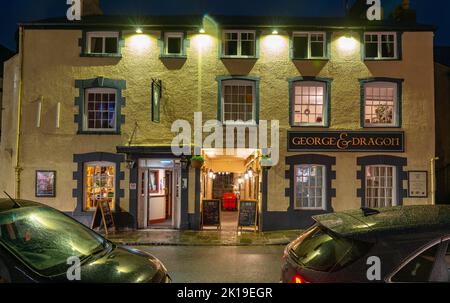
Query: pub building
{"x": 89, "y": 108}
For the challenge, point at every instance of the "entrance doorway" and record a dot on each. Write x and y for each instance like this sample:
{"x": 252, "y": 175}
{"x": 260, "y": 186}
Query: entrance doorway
{"x": 159, "y": 196}
{"x": 230, "y": 180}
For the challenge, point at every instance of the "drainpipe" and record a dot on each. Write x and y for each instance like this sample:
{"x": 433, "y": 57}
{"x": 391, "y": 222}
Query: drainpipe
{"x": 18, "y": 169}
{"x": 433, "y": 180}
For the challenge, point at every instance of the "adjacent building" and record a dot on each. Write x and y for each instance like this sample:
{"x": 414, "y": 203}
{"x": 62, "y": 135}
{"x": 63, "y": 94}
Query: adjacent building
{"x": 5, "y": 54}
{"x": 89, "y": 109}
{"x": 442, "y": 79}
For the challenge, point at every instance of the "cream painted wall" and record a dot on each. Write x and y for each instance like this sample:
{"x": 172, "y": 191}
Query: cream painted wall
{"x": 52, "y": 63}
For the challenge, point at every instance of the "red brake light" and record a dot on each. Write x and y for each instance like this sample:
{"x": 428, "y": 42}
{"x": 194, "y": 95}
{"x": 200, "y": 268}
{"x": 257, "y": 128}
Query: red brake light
{"x": 299, "y": 280}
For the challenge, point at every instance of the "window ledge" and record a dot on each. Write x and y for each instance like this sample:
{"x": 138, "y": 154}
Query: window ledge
{"x": 245, "y": 124}
{"x": 310, "y": 126}
{"x": 118, "y": 56}
{"x": 179, "y": 57}
{"x": 310, "y": 209}
{"x": 383, "y": 59}
{"x": 310, "y": 59}
{"x": 237, "y": 58}
{"x": 382, "y": 127}
{"x": 99, "y": 133}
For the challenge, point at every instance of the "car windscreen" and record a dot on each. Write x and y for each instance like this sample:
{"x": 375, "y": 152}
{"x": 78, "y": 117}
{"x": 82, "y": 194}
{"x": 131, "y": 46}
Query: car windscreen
{"x": 321, "y": 250}
{"x": 44, "y": 239}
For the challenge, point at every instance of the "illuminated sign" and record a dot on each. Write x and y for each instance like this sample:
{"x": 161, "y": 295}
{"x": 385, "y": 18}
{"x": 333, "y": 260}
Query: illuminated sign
{"x": 342, "y": 141}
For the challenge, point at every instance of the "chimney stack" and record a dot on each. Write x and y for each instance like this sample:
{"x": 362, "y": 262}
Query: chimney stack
{"x": 405, "y": 5}
{"x": 91, "y": 8}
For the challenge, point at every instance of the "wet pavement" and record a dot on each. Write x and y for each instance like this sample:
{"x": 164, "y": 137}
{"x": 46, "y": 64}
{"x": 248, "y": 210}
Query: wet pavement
{"x": 238, "y": 264}
{"x": 203, "y": 238}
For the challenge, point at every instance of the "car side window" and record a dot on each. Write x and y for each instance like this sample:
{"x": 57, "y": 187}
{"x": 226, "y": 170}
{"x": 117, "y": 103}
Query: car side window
{"x": 418, "y": 269}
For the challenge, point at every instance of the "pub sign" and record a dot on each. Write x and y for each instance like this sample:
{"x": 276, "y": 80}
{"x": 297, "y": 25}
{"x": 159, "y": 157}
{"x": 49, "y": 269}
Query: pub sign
{"x": 346, "y": 141}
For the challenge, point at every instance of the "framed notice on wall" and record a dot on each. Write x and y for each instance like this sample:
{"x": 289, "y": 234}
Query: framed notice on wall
{"x": 45, "y": 184}
{"x": 418, "y": 184}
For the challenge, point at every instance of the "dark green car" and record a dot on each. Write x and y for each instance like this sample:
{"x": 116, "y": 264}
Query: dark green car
{"x": 41, "y": 244}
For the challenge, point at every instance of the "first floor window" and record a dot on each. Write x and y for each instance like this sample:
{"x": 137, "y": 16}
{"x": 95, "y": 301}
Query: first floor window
{"x": 310, "y": 187}
{"x": 174, "y": 43}
{"x": 100, "y": 109}
{"x": 309, "y": 103}
{"x": 380, "y": 186}
{"x": 380, "y": 45}
{"x": 103, "y": 43}
{"x": 238, "y": 98}
{"x": 380, "y": 104}
{"x": 309, "y": 45}
{"x": 239, "y": 44}
{"x": 99, "y": 184}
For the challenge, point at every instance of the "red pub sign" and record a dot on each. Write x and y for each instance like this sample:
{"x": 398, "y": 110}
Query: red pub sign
{"x": 345, "y": 141}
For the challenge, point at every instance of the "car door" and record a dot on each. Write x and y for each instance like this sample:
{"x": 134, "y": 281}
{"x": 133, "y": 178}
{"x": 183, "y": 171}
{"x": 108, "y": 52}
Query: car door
{"x": 426, "y": 265}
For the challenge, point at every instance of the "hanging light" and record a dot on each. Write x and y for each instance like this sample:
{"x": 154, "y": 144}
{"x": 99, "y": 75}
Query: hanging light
{"x": 240, "y": 181}
{"x": 246, "y": 176}
{"x": 250, "y": 172}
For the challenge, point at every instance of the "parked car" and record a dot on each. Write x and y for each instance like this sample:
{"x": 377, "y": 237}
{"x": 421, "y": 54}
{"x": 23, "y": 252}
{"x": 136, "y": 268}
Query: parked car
{"x": 399, "y": 244}
{"x": 37, "y": 241}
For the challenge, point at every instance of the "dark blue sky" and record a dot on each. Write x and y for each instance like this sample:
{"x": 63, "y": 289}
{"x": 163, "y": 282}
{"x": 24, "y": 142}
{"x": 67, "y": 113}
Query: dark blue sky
{"x": 434, "y": 12}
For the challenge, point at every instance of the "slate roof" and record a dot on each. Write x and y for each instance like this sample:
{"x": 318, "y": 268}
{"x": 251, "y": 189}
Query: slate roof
{"x": 195, "y": 21}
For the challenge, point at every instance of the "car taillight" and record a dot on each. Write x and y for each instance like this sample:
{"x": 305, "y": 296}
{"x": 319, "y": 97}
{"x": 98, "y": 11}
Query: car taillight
{"x": 299, "y": 280}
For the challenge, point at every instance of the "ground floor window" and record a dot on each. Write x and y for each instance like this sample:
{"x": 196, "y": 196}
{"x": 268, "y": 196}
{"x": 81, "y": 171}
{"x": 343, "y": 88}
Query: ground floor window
{"x": 380, "y": 185}
{"x": 99, "y": 184}
{"x": 310, "y": 187}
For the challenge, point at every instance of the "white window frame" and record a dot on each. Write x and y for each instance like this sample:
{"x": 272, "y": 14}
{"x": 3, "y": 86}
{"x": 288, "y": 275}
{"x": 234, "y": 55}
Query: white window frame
{"x": 222, "y": 97}
{"x": 168, "y": 35}
{"x": 102, "y": 35}
{"x": 395, "y": 201}
{"x": 309, "y": 34}
{"x": 103, "y": 164}
{"x": 98, "y": 90}
{"x": 239, "y": 43}
{"x": 395, "y": 116}
{"x": 324, "y": 190}
{"x": 379, "y": 46}
{"x": 324, "y": 103}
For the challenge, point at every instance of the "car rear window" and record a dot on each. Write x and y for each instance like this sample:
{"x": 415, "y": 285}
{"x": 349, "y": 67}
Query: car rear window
{"x": 321, "y": 250}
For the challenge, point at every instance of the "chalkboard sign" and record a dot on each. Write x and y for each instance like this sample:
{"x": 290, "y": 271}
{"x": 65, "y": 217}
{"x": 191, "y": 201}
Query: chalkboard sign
{"x": 211, "y": 213}
{"x": 248, "y": 211}
{"x": 103, "y": 216}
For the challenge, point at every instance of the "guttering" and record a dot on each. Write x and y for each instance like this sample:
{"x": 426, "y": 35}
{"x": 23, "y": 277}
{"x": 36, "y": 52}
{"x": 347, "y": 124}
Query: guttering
{"x": 18, "y": 168}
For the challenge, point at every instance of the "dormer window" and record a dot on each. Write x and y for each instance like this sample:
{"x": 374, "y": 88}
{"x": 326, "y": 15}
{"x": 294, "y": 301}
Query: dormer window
{"x": 239, "y": 44}
{"x": 102, "y": 43}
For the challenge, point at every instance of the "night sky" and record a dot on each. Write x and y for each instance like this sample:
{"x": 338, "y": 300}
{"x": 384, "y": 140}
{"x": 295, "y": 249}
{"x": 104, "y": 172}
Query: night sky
{"x": 435, "y": 12}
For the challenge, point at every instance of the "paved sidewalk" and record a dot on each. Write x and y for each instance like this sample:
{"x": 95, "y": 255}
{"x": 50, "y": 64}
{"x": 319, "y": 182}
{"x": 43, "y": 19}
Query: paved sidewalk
{"x": 202, "y": 238}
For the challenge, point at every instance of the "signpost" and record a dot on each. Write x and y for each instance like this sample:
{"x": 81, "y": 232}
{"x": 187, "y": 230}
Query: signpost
{"x": 248, "y": 214}
{"x": 211, "y": 213}
{"x": 103, "y": 217}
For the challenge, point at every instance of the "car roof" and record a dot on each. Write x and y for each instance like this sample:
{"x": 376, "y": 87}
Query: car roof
{"x": 7, "y": 204}
{"x": 424, "y": 218}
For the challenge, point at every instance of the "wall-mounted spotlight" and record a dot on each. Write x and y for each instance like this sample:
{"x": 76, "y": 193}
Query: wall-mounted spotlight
{"x": 139, "y": 31}
{"x": 275, "y": 32}
{"x": 202, "y": 30}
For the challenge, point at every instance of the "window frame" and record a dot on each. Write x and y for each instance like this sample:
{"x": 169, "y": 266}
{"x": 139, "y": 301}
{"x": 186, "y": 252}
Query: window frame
{"x": 179, "y": 35}
{"x": 309, "y": 34}
{"x": 396, "y": 107}
{"x": 103, "y": 35}
{"x": 324, "y": 191}
{"x": 102, "y": 164}
{"x": 395, "y": 200}
{"x": 239, "y": 44}
{"x": 101, "y": 90}
{"x": 325, "y": 105}
{"x": 232, "y": 82}
{"x": 379, "y": 46}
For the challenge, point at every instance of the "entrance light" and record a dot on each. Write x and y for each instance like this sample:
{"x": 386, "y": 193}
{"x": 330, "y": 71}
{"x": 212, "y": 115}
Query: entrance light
{"x": 139, "y": 31}
{"x": 250, "y": 173}
{"x": 202, "y": 30}
{"x": 274, "y": 32}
